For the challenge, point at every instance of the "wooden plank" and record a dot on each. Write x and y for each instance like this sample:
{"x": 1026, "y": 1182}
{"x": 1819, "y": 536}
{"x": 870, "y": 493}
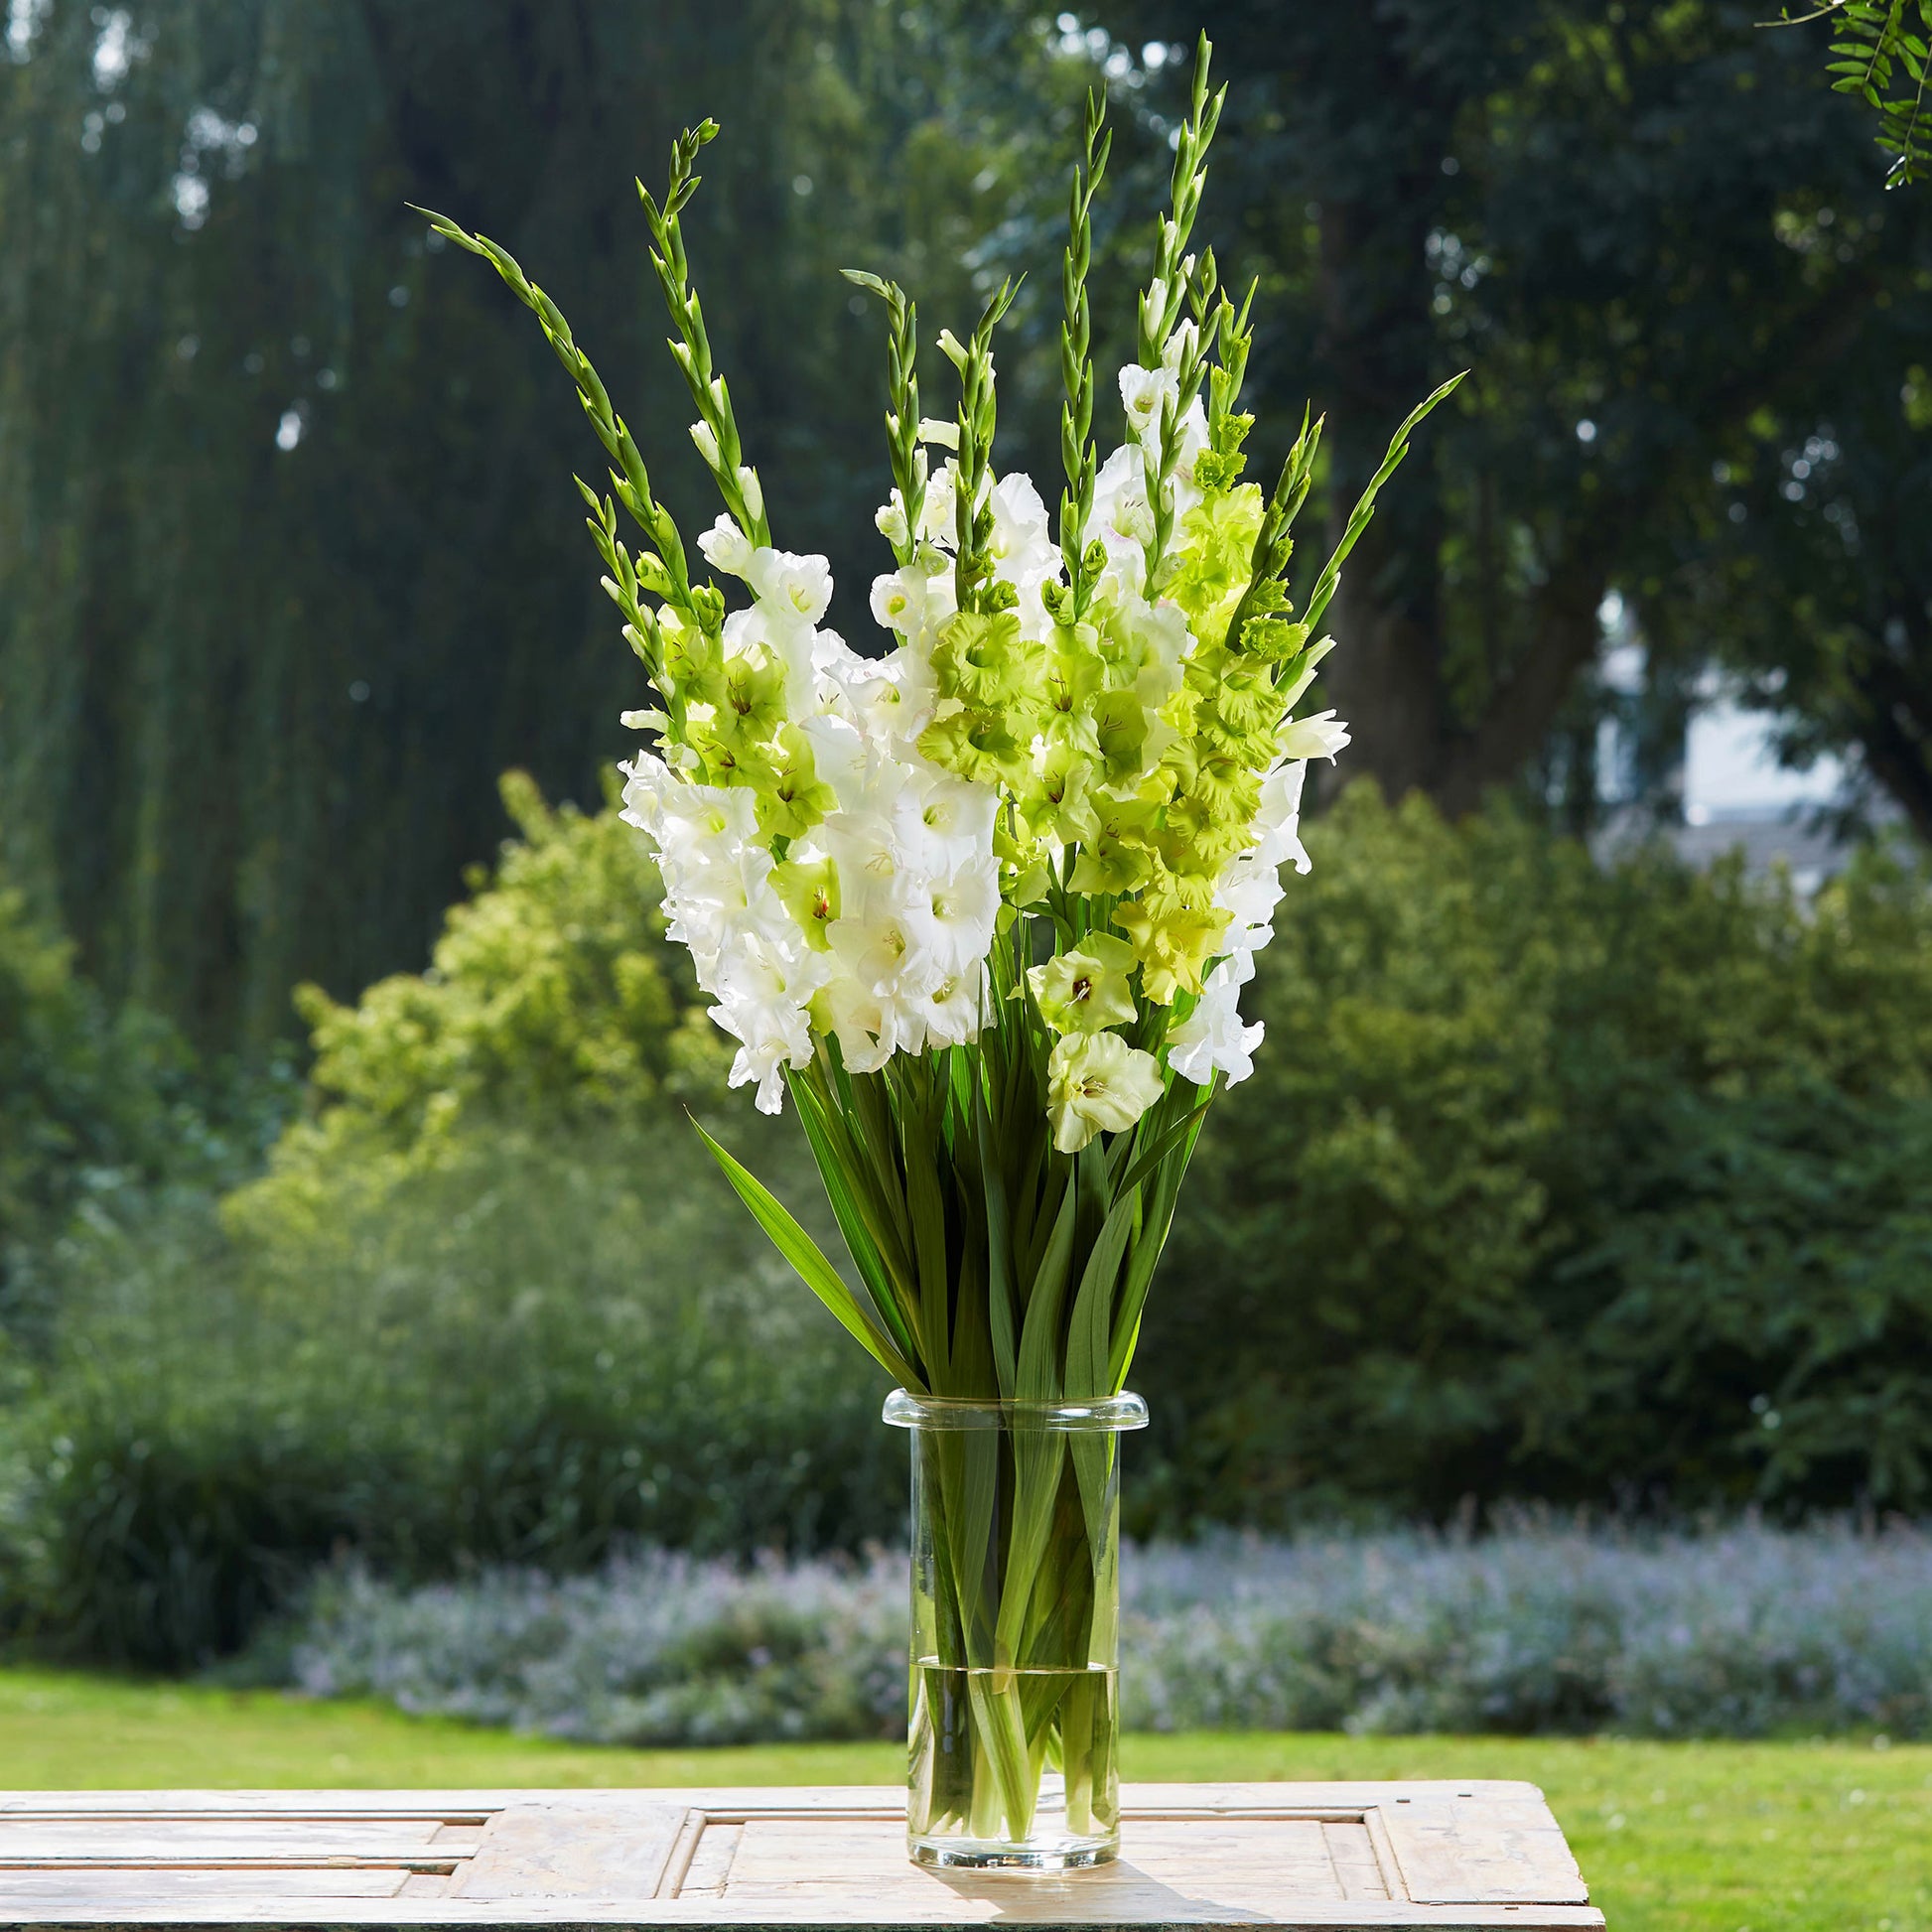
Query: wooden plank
{"x": 711, "y": 1861}
{"x": 566, "y": 1850}
{"x": 186, "y": 1887}
{"x": 30, "y": 1842}
{"x": 1358, "y": 1871}
{"x": 1464, "y": 1851}
{"x": 322, "y": 1802}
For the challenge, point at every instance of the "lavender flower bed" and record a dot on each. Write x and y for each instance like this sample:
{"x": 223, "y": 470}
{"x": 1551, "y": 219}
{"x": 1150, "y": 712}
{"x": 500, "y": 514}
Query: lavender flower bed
{"x": 1732, "y": 1633}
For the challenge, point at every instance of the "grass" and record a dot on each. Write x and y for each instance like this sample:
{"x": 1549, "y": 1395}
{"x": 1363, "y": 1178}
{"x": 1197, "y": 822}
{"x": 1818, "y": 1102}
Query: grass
{"x": 1674, "y": 1838}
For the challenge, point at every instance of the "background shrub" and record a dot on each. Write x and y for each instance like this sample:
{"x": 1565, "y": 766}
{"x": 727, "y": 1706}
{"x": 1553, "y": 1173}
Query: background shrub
{"x": 538, "y": 1346}
{"x": 98, "y": 1112}
{"x": 490, "y": 1302}
{"x": 1538, "y": 1627}
{"x": 1563, "y": 1179}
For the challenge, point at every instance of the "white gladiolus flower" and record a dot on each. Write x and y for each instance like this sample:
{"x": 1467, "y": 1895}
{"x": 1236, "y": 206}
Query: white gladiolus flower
{"x": 865, "y": 846}
{"x": 888, "y": 519}
{"x": 797, "y": 588}
{"x": 725, "y": 547}
{"x": 1120, "y": 507}
{"x": 951, "y": 1013}
{"x": 1145, "y": 394}
{"x": 899, "y": 600}
{"x": 1020, "y": 527}
{"x": 1154, "y": 301}
{"x": 1024, "y": 552}
{"x": 763, "y": 996}
{"x": 858, "y": 1020}
{"x": 1319, "y": 736}
{"x": 950, "y": 917}
{"x": 843, "y": 755}
{"x": 1249, "y": 891}
{"x": 1212, "y": 1039}
{"x": 946, "y": 822}
{"x": 936, "y": 519}
{"x": 701, "y": 434}
{"x": 1277, "y": 822}
{"x": 681, "y": 816}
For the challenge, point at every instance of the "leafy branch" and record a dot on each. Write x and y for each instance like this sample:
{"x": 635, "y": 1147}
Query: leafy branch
{"x": 1882, "y": 52}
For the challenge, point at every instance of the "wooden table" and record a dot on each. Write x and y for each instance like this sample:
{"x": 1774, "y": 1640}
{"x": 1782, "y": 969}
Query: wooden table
{"x": 1476, "y": 1853}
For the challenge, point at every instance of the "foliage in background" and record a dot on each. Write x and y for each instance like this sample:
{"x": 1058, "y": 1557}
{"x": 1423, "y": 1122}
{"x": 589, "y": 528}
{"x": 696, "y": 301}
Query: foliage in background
{"x": 1534, "y": 1628}
{"x": 540, "y": 1347}
{"x": 552, "y": 1000}
{"x": 99, "y": 1111}
{"x": 1612, "y": 1185}
{"x": 1563, "y": 1179}
{"x": 491, "y": 1303}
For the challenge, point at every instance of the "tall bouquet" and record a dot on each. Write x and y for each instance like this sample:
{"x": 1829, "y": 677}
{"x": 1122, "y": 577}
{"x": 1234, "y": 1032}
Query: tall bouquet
{"x": 982, "y": 900}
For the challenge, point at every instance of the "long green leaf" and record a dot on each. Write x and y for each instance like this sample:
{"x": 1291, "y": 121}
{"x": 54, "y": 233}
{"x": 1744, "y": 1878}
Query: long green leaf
{"x": 1040, "y": 1337}
{"x": 1164, "y": 1144}
{"x": 999, "y": 1251}
{"x": 831, "y": 1125}
{"x": 836, "y": 1173}
{"x": 1145, "y": 1252}
{"x": 1088, "y": 1332}
{"x": 812, "y": 1268}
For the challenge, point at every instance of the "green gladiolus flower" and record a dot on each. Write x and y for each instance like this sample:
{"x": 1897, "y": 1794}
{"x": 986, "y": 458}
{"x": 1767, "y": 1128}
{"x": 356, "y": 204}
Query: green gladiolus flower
{"x": 1173, "y": 945}
{"x": 1097, "y": 1084}
{"x": 981, "y": 659}
{"x": 1088, "y": 989}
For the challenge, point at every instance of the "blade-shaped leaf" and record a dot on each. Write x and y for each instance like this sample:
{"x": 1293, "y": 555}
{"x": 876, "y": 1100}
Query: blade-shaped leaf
{"x": 1038, "y": 1378}
{"x": 859, "y": 1239}
{"x": 812, "y": 1268}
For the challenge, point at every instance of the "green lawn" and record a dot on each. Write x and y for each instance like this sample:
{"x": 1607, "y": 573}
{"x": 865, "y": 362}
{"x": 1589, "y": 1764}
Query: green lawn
{"x": 1673, "y": 1837}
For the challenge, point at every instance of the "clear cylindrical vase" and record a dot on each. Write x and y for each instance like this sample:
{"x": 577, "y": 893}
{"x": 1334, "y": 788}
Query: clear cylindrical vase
{"x": 1013, "y": 1742}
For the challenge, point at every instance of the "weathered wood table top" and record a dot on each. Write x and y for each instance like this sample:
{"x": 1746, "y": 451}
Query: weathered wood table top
{"x": 1475, "y": 1853}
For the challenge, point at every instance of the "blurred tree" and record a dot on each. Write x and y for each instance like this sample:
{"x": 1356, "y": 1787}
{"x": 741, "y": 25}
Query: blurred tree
{"x": 290, "y": 564}
{"x": 1607, "y": 210}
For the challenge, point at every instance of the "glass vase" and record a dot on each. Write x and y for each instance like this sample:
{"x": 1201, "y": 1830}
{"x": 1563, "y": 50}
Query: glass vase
{"x": 1014, "y": 1693}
